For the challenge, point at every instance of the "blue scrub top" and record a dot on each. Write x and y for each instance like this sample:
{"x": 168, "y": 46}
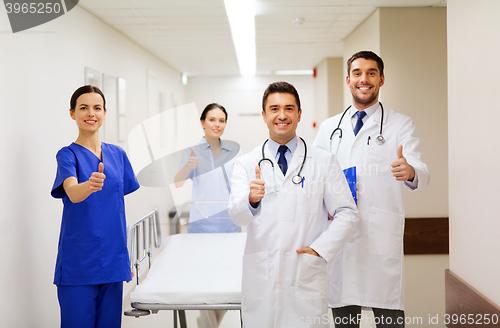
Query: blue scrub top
{"x": 93, "y": 240}
{"x": 211, "y": 181}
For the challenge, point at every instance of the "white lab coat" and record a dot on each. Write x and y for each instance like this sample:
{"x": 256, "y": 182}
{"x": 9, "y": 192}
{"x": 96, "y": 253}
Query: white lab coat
{"x": 369, "y": 269}
{"x": 281, "y": 288}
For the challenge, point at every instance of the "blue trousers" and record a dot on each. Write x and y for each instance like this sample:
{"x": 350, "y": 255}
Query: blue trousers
{"x": 92, "y": 306}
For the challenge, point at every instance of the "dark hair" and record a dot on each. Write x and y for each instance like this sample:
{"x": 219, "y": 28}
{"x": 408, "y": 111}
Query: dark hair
{"x": 209, "y": 108}
{"x": 83, "y": 90}
{"x": 280, "y": 87}
{"x": 368, "y": 55}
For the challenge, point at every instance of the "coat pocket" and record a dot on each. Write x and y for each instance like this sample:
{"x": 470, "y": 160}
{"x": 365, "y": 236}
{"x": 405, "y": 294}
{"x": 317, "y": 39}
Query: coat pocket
{"x": 379, "y": 158}
{"x": 310, "y": 197}
{"x": 111, "y": 197}
{"x": 255, "y": 276}
{"x": 311, "y": 278}
{"x": 385, "y": 232}
{"x": 81, "y": 260}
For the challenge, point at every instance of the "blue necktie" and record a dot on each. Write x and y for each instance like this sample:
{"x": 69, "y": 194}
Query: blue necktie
{"x": 282, "y": 160}
{"x": 359, "y": 123}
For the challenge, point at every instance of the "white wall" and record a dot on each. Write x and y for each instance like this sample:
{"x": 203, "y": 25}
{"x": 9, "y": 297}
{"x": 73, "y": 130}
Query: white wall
{"x": 39, "y": 70}
{"x": 329, "y": 88}
{"x": 474, "y": 156}
{"x": 336, "y": 81}
{"x": 413, "y": 46}
{"x": 321, "y": 91}
{"x": 365, "y": 37}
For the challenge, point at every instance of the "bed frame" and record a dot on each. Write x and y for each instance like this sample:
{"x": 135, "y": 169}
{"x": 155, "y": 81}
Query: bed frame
{"x": 141, "y": 236}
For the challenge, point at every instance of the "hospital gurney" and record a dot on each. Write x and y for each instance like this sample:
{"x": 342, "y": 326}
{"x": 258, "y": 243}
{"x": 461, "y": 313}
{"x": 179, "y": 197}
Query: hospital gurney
{"x": 192, "y": 272}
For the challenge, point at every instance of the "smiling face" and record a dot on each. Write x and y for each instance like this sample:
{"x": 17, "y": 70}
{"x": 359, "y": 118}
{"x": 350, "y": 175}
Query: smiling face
{"x": 214, "y": 124}
{"x": 282, "y": 116}
{"x": 365, "y": 81}
{"x": 89, "y": 112}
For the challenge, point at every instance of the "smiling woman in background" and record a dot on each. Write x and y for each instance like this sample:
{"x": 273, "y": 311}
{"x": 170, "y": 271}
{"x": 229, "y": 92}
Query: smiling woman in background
{"x": 92, "y": 179}
{"x": 210, "y": 165}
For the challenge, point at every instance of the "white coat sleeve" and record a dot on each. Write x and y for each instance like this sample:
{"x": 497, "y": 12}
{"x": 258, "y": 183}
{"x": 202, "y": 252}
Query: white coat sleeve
{"x": 339, "y": 202}
{"x": 413, "y": 152}
{"x": 238, "y": 208}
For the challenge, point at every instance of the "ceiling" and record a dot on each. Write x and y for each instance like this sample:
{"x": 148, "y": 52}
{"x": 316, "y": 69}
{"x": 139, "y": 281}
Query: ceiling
{"x": 194, "y": 36}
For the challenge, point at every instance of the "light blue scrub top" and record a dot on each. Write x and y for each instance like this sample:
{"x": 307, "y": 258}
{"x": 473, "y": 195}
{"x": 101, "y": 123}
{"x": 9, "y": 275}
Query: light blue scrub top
{"x": 211, "y": 181}
{"x": 93, "y": 240}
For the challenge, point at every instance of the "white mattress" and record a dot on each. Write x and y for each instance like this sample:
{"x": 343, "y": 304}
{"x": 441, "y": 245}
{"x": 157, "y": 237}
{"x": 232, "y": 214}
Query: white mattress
{"x": 195, "y": 268}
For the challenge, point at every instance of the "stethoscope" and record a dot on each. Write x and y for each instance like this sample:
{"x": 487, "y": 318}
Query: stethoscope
{"x": 297, "y": 178}
{"x": 380, "y": 139}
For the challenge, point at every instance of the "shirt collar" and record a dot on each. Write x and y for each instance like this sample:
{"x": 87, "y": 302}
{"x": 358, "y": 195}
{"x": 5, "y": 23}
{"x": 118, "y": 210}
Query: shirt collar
{"x": 273, "y": 145}
{"x": 223, "y": 144}
{"x": 369, "y": 111}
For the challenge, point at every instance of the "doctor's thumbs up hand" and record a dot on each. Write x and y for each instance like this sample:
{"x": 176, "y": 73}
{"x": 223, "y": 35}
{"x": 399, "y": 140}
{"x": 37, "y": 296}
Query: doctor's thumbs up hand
{"x": 257, "y": 188}
{"x": 401, "y": 170}
{"x": 96, "y": 180}
{"x": 192, "y": 162}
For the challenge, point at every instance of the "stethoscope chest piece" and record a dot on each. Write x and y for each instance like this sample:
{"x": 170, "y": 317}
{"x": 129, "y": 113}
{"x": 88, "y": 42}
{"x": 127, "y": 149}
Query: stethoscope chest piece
{"x": 380, "y": 139}
{"x": 297, "y": 179}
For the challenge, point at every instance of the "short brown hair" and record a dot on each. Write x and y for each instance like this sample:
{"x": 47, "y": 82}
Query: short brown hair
{"x": 368, "y": 55}
{"x": 280, "y": 87}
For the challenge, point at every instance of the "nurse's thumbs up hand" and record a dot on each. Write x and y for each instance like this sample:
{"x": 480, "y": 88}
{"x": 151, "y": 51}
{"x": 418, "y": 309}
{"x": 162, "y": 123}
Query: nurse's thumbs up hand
{"x": 401, "y": 170}
{"x": 257, "y": 188}
{"x": 192, "y": 162}
{"x": 96, "y": 180}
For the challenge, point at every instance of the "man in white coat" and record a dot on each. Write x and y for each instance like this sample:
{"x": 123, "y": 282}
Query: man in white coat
{"x": 385, "y": 149}
{"x": 284, "y": 200}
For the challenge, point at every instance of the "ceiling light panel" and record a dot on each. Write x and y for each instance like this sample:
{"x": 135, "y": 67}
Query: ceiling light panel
{"x": 241, "y": 16}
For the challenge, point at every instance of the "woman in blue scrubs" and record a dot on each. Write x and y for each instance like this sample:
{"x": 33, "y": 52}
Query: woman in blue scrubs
{"x": 210, "y": 165}
{"x": 92, "y": 178}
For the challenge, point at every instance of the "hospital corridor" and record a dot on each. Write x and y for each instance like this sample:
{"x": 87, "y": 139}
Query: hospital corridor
{"x": 249, "y": 163}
